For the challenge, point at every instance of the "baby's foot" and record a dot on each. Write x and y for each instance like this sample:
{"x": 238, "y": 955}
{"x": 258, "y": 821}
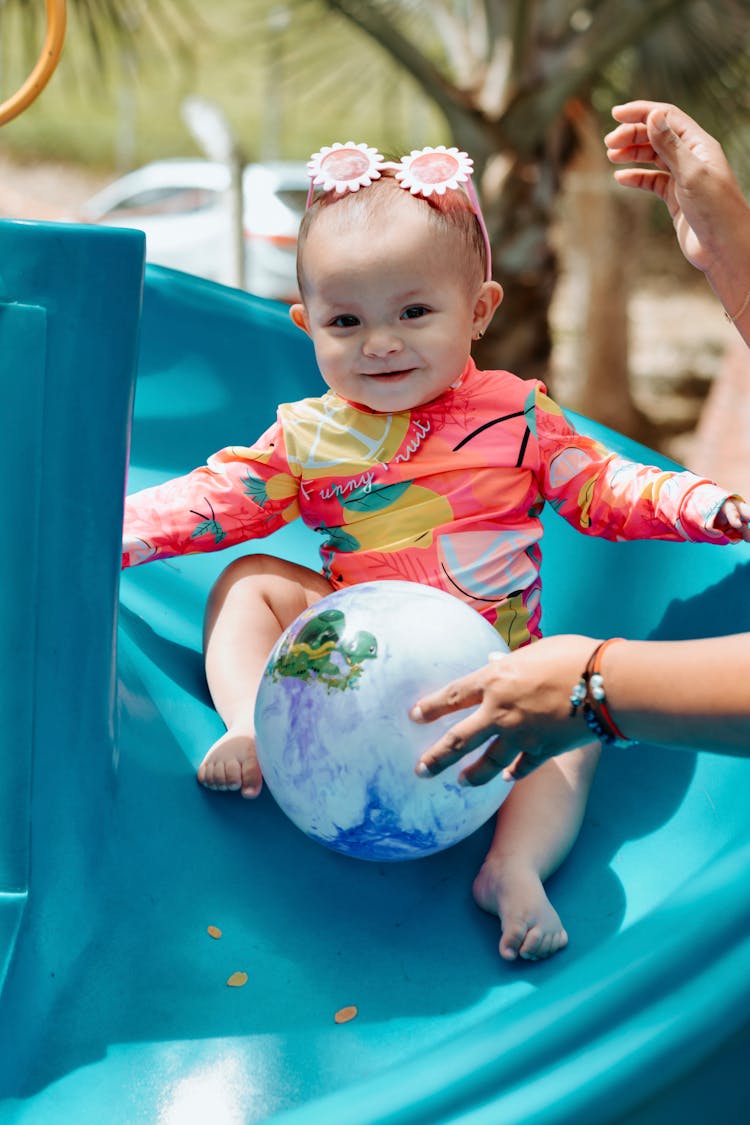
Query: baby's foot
{"x": 232, "y": 763}
{"x": 531, "y": 927}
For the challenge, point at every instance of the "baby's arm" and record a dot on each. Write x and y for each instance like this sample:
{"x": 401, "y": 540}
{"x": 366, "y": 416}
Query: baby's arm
{"x": 601, "y": 493}
{"x": 240, "y": 494}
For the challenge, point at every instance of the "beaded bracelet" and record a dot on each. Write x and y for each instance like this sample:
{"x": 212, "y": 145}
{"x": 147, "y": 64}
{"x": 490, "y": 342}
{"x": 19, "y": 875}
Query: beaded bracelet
{"x": 589, "y": 692}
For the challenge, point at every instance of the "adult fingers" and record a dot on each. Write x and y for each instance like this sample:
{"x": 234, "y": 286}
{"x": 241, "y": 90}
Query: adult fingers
{"x": 645, "y": 179}
{"x": 635, "y": 111}
{"x": 521, "y": 767}
{"x": 680, "y": 142}
{"x": 492, "y": 762}
{"x": 499, "y": 759}
{"x": 664, "y": 140}
{"x": 459, "y": 740}
{"x": 466, "y": 692}
{"x": 632, "y": 154}
{"x": 628, "y": 137}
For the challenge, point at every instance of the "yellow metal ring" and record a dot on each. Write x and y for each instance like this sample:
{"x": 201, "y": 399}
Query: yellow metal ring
{"x": 45, "y": 65}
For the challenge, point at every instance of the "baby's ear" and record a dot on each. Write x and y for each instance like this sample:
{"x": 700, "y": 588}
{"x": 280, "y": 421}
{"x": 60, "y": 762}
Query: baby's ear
{"x": 298, "y": 313}
{"x": 489, "y": 299}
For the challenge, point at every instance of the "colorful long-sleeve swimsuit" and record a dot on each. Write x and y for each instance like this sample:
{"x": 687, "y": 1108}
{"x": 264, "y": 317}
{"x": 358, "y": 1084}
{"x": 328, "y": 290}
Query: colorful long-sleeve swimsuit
{"x": 448, "y": 494}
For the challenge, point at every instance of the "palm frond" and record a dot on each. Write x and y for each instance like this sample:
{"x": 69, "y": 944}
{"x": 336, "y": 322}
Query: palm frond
{"x": 170, "y": 25}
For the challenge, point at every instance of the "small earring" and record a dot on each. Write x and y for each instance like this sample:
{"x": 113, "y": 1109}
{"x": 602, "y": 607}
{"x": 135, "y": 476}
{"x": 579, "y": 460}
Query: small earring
{"x": 479, "y": 335}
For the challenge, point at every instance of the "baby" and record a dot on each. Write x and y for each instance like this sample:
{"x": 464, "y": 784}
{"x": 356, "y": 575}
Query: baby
{"x": 413, "y": 465}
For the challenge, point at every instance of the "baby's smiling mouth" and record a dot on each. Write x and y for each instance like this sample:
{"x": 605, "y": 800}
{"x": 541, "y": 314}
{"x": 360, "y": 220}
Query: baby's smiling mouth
{"x": 388, "y": 374}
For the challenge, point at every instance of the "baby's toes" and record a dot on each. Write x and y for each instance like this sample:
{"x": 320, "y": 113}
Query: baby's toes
{"x": 231, "y": 773}
{"x": 515, "y": 930}
{"x": 214, "y": 773}
{"x": 541, "y": 943}
{"x": 251, "y": 778}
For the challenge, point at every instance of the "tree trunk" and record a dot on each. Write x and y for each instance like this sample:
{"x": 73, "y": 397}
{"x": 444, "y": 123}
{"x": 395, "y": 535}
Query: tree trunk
{"x": 599, "y": 230}
{"x": 519, "y": 196}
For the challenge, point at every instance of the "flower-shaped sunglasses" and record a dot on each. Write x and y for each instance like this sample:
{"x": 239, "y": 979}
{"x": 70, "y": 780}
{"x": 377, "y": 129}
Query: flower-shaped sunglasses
{"x": 425, "y": 171}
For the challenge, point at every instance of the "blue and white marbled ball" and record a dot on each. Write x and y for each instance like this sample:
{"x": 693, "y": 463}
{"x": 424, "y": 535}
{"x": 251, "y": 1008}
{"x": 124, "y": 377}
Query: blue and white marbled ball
{"x": 335, "y": 741}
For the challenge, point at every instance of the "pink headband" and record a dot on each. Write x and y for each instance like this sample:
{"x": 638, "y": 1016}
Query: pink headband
{"x": 351, "y": 166}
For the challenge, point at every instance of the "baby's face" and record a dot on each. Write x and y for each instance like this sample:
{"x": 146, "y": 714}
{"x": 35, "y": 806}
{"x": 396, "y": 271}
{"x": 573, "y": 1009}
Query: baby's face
{"x": 390, "y": 313}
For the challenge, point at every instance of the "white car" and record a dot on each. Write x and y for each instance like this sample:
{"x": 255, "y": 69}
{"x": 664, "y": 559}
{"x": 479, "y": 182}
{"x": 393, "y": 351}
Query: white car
{"x": 275, "y": 195}
{"x": 184, "y": 207}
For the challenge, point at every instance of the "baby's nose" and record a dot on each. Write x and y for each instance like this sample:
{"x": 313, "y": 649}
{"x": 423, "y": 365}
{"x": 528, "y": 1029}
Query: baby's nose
{"x": 381, "y": 342}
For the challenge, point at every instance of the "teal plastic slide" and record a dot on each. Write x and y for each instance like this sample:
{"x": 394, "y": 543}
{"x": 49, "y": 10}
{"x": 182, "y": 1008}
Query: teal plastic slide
{"x": 116, "y": 867}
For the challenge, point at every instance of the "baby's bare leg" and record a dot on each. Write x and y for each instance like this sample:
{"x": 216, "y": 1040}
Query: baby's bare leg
{"x": 536, "y": 827}
{"x": 251, "y": 604}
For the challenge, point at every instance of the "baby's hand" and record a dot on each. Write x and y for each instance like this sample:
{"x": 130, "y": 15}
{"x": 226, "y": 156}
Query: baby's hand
{"x": 734, "y": 515}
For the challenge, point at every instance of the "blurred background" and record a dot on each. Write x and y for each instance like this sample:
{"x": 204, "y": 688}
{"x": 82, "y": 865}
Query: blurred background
{"x": 194, "y": 122}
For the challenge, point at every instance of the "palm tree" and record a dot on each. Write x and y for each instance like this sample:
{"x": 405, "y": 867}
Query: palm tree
{"x": 523, "y": 85}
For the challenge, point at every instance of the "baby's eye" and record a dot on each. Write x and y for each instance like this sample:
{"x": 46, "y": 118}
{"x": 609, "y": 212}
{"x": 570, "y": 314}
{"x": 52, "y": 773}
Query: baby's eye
{"x": 414, "y": 311}
{"x": 346, "y": 320}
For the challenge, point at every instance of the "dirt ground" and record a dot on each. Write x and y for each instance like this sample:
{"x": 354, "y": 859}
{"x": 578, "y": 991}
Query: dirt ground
{"x": 44, "y": 190}
{"x": 687, "y": 370}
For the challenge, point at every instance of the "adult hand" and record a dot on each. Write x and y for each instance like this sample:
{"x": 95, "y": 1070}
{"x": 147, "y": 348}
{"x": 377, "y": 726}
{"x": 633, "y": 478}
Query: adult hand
{"x": 522, "y": 702}
{"x": 691, "y": 175}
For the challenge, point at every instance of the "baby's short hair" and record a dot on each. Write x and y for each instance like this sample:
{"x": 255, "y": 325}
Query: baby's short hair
{"x": 452, "y": 213}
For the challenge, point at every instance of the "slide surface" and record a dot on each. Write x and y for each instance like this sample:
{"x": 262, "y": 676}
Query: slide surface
{"x": 114, "y": 862}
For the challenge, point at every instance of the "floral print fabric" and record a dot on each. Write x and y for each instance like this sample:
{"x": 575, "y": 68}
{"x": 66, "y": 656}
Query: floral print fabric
{"x": 448, "y": 494}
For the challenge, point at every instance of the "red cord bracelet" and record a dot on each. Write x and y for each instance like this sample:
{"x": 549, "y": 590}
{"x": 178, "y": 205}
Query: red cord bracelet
{"x": 590, "y": 692}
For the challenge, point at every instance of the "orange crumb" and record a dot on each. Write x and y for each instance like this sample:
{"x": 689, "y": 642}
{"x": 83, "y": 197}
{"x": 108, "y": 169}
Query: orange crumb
{"x": 237, "y": 980}
{"x": 344, "y": 1015}
{"x": 213, "y": 931}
